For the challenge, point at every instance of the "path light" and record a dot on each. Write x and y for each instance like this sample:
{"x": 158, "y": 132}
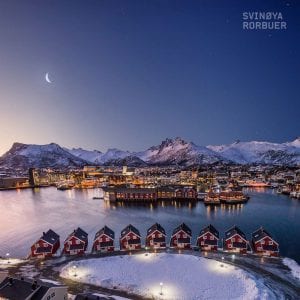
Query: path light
{"x": 222, "y": 262}
{"x": 74, "y": 268}
{"x": 7, "y": 255}
{"x": 161, "y": 287}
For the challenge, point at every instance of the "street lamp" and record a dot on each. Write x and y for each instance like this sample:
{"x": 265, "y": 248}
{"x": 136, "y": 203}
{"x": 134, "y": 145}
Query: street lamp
{"x": 222, "y": 262}
{"x": 7, "y": 255}
{"x": 74, "y": 268}
{"x": 161, "y": 287}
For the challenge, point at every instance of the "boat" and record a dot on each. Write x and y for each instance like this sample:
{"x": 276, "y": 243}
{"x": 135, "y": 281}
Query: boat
{"x": 212, "y": 198}
{"x": 98, "y": 198}
{"x": 201, "y": 196}
{"x": 255, "y": 183}
{"x": 233, "y": 197}
{"x": 64, "y": 185}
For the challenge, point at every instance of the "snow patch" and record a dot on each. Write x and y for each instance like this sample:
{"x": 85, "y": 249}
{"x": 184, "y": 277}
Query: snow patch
{"x": 294, "y": 267}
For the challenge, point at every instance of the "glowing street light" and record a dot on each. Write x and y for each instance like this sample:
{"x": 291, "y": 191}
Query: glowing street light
{"x": 74, "y": 268}
{"x": 161, "y": 287}
{"x": 222, "y": 262}
{"x": 7, "y": 255}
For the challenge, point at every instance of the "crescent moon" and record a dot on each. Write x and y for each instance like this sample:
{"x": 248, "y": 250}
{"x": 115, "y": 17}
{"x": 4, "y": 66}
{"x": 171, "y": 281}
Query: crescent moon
{"x": 47, "y": 78}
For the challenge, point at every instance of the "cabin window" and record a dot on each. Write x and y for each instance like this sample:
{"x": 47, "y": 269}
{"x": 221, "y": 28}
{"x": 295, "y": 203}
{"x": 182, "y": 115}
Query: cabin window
{"x": 240, "y": 240}
{"x": 134, "y": 237}
{"x": 45, "y": 245}
{"x": 271, "y": 243}
{"x": 160, "y": 235}
{"x": 205, "y": 237}
{"x": 211, "y": 237}
{"x": 77, "y": 242}
{"x": 202, "y": 243}
{"x": 262, "y": 242}
{"x": 233, "y": 239}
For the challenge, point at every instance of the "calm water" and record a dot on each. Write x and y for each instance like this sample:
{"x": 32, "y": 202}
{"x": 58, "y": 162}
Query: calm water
{"x": 26, "y": 214}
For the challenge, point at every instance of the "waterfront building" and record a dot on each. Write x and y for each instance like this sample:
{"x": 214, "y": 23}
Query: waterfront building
{"x": 264, "y": 244}
{"x": 156, "y": 237}
{"x": 181, "y": 237}
{"x": 208, "y": 239}
{"x": 46, "y": 245}
{"x": 76, "y": 242}
{"x": 235, "y": 240}
{"x": 104, "y": 240}
{"x": 130, "y": 238}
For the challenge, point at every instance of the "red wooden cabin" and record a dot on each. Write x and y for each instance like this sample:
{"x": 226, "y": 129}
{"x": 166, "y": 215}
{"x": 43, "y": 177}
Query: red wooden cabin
{"x": 208, "y": 239}
{"x": 235, "y": 240}
{"x": 76, "y": 242}
{"x": 181, "y": 237}
{"x": 46, "y": 245}
{"x": 130, "y": 238}
{"x": 264, "y": 244}
{"x": 104, "y": 240}
{"x": 156, "y": 237}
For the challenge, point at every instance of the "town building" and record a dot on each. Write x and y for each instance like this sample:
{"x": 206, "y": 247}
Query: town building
{"x": 28, "y": 289}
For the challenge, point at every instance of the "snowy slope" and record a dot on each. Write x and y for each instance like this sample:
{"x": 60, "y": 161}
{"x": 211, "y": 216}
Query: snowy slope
{"x": 93, "y": 156}
{"x": 23, "y": 156}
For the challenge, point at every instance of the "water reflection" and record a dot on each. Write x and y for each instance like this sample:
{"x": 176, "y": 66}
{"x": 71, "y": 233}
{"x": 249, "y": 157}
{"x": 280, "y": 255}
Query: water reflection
{"x": 225, "y": 209}
{"x": 154, "y": 205}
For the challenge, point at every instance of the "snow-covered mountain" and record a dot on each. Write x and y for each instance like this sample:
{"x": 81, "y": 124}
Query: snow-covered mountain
{"x": 97, "y": 157}
{"x": 178, "y": 151}
{"x": 23, "y": 156}
{"x": 260, "y": 152}
{"x": 169, "y": 152}
{"x": 93, "y": 156}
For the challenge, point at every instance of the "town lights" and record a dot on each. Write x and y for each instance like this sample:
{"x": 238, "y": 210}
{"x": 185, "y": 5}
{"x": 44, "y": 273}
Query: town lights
{"x": 7, "y": 255}
{"x": 74, "y": 269}
{"x": 161, "y": 288}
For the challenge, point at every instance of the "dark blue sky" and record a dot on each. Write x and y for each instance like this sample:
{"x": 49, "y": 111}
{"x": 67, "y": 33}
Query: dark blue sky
{"x": 128, "y": 74}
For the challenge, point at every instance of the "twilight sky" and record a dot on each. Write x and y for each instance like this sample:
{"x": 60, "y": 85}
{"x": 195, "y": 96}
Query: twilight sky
{"x": 128, "y": 74}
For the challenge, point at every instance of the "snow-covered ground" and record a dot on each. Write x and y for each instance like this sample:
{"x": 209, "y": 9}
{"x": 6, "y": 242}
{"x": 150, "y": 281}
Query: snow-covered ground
{"x": 4, "y": 262}
{"x": 295, "y": 268}
{"x": 182, "y": 277}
